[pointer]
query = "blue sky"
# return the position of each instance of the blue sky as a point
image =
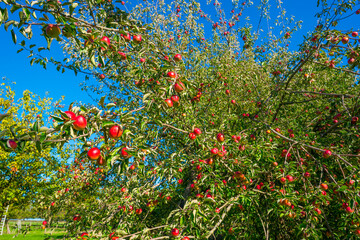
(16, 67)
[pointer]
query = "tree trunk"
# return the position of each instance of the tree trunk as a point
(7, 226)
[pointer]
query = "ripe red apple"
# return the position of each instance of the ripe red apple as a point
(327, 154)
(180, 181)
(192, 136)
(127, 37)
(102, 76)
(138, 211)
(177, 58)
(171, 74)
(354, 34)
(175, 232)
(77, 217)
(122, 55)
(106, 40)
(168, 102)
(227, 92)
(80, 123)
(214, 151)
(307, 174)
(70, 115)
(137, 38)
(345, 40)
(179, 87)
(124, 153)
(351, 60)
(197, 131)
(11, 144)
(175, 99)
(132, 167)
(53, 31)
(220, 137)
(115, 132)
(44, 223)
(289, 178)
(93, 153)
(185, 238)
(324, 186)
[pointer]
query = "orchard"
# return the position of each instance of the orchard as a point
(221, 133)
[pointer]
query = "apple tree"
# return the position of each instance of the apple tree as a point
(201, 134)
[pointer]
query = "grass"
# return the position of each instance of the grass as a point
(35, 235)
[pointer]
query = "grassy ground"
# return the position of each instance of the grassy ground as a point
(35, 235)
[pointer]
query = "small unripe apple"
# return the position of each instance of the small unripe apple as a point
(52, 31)
(101, 161)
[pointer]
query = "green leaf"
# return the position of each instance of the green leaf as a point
(13, 35)
(107, 123)
(110, 105)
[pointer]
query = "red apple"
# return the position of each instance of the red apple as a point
(185, 238)
(70, 115)
(93, 153)
(168, 102)
(11, 144)
(106, 40)
(115, 132)
(324, 186)
(127, 37)
(171, 74)
(177, 58)
(124, 153)
(354, 34)
(137, 38)
(52, 31)
(101, 161)
(80, 123)
(175, 98)
(214, 151)
(122, 55)
(345, 40)
(179, 87)
(327, 153)
(44, 223)
(192, 136)
(102, 76)
(175, 232)
(220, 137)
(197, 131)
